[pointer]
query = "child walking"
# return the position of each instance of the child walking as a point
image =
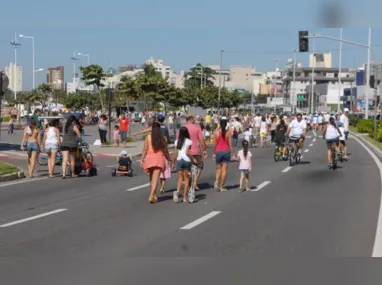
(245, 158)
(116, 134)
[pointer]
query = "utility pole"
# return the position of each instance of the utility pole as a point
(220, 80)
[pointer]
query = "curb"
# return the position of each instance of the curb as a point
(372, 147)
(12, 176)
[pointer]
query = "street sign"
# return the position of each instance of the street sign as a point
(4, 81)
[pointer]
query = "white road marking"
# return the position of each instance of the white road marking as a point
(311, 144)
(33, 218)
(24, 180)
(287, 169)
(308, 137)
(138, 187)
(377, 249)
(3, 155)
(302, 157)
(314, 139)
(315, 134)
(200, 220)
(110, 166)
(307, 150)
(261, 186)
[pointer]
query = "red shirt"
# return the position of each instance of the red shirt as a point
(124, 125)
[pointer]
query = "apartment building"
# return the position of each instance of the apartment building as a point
(15, 76)
(55, 77)
(320, 60)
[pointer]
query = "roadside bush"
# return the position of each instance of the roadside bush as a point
(353, 120)
(6, 119)
(129, 139)
(365, 126)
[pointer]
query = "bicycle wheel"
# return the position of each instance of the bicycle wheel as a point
(334, 159)
(291, 157)
(42, 159)
(191, 193)
(276, 155)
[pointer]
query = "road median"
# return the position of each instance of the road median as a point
(374, 145)
(9, 172)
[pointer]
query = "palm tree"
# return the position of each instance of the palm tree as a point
(200, 75)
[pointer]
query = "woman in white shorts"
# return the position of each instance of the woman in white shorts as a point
(51, 144)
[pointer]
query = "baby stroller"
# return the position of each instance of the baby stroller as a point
(84, 162)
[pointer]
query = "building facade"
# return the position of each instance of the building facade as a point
(15, 76)
(320, 60)
(55, 77)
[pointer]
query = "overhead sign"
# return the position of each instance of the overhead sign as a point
(4, 81)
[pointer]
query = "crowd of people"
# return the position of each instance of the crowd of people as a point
(225, 133)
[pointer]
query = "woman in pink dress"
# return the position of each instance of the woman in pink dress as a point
(154, 158)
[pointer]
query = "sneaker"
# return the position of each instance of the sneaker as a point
(175, 196)
(216, 185)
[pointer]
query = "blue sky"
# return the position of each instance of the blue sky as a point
(179, 32)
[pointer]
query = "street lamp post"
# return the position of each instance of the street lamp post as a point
(33, 56)
(220, 79)
(15, 44)
(368, 77)
(85, 55)
(294, 98)
(339, 74)
(313, 76)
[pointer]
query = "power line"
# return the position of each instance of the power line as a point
(291, 51)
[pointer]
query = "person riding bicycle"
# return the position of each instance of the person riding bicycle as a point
(280, 138)
(297, 131)
(332, 135)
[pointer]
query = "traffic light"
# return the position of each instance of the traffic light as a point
(303, 42)
(372, 81)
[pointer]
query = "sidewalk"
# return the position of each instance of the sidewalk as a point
(133, 148)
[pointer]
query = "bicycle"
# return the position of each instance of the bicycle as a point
(42, 158)
(294, 147)
(279, 153)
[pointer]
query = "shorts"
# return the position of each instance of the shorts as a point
(346, 135)
(244, 171)
(199, 159)
(123, 135)
(33, 147)
(182, 165)
(263, 134)
(330, 141)
(51, 147)
(223, 157)
(343, 142)
(67, 148)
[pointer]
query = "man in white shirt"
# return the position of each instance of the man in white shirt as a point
(344, 119)
(320, 121)
(297, 130)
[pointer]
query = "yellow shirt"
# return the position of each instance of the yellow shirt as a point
(207, 119)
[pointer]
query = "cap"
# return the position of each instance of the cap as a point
(224, 118)
(346, 110)
(123, 152)
(160, 117)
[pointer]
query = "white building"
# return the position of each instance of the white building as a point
(320, 60)
(14, 73)
(76, 85)
(165, 70)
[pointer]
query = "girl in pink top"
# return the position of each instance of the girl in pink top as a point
(245, 158)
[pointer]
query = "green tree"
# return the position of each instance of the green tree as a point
(200, 75)
(126, 91)
(93, 75)
(78, 101)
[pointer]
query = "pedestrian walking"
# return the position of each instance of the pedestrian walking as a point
(245, 166)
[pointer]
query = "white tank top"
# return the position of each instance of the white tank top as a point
(51, 136)
(331, 133)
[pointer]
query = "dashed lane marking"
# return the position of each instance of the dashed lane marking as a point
(200, 220)
(261, 186)
(138, 187)
(287, 169)
(307, 150)
(311, 144)
(314, 139)
(33, 218)
(24, 180)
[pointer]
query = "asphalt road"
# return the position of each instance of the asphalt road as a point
(301, 225)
